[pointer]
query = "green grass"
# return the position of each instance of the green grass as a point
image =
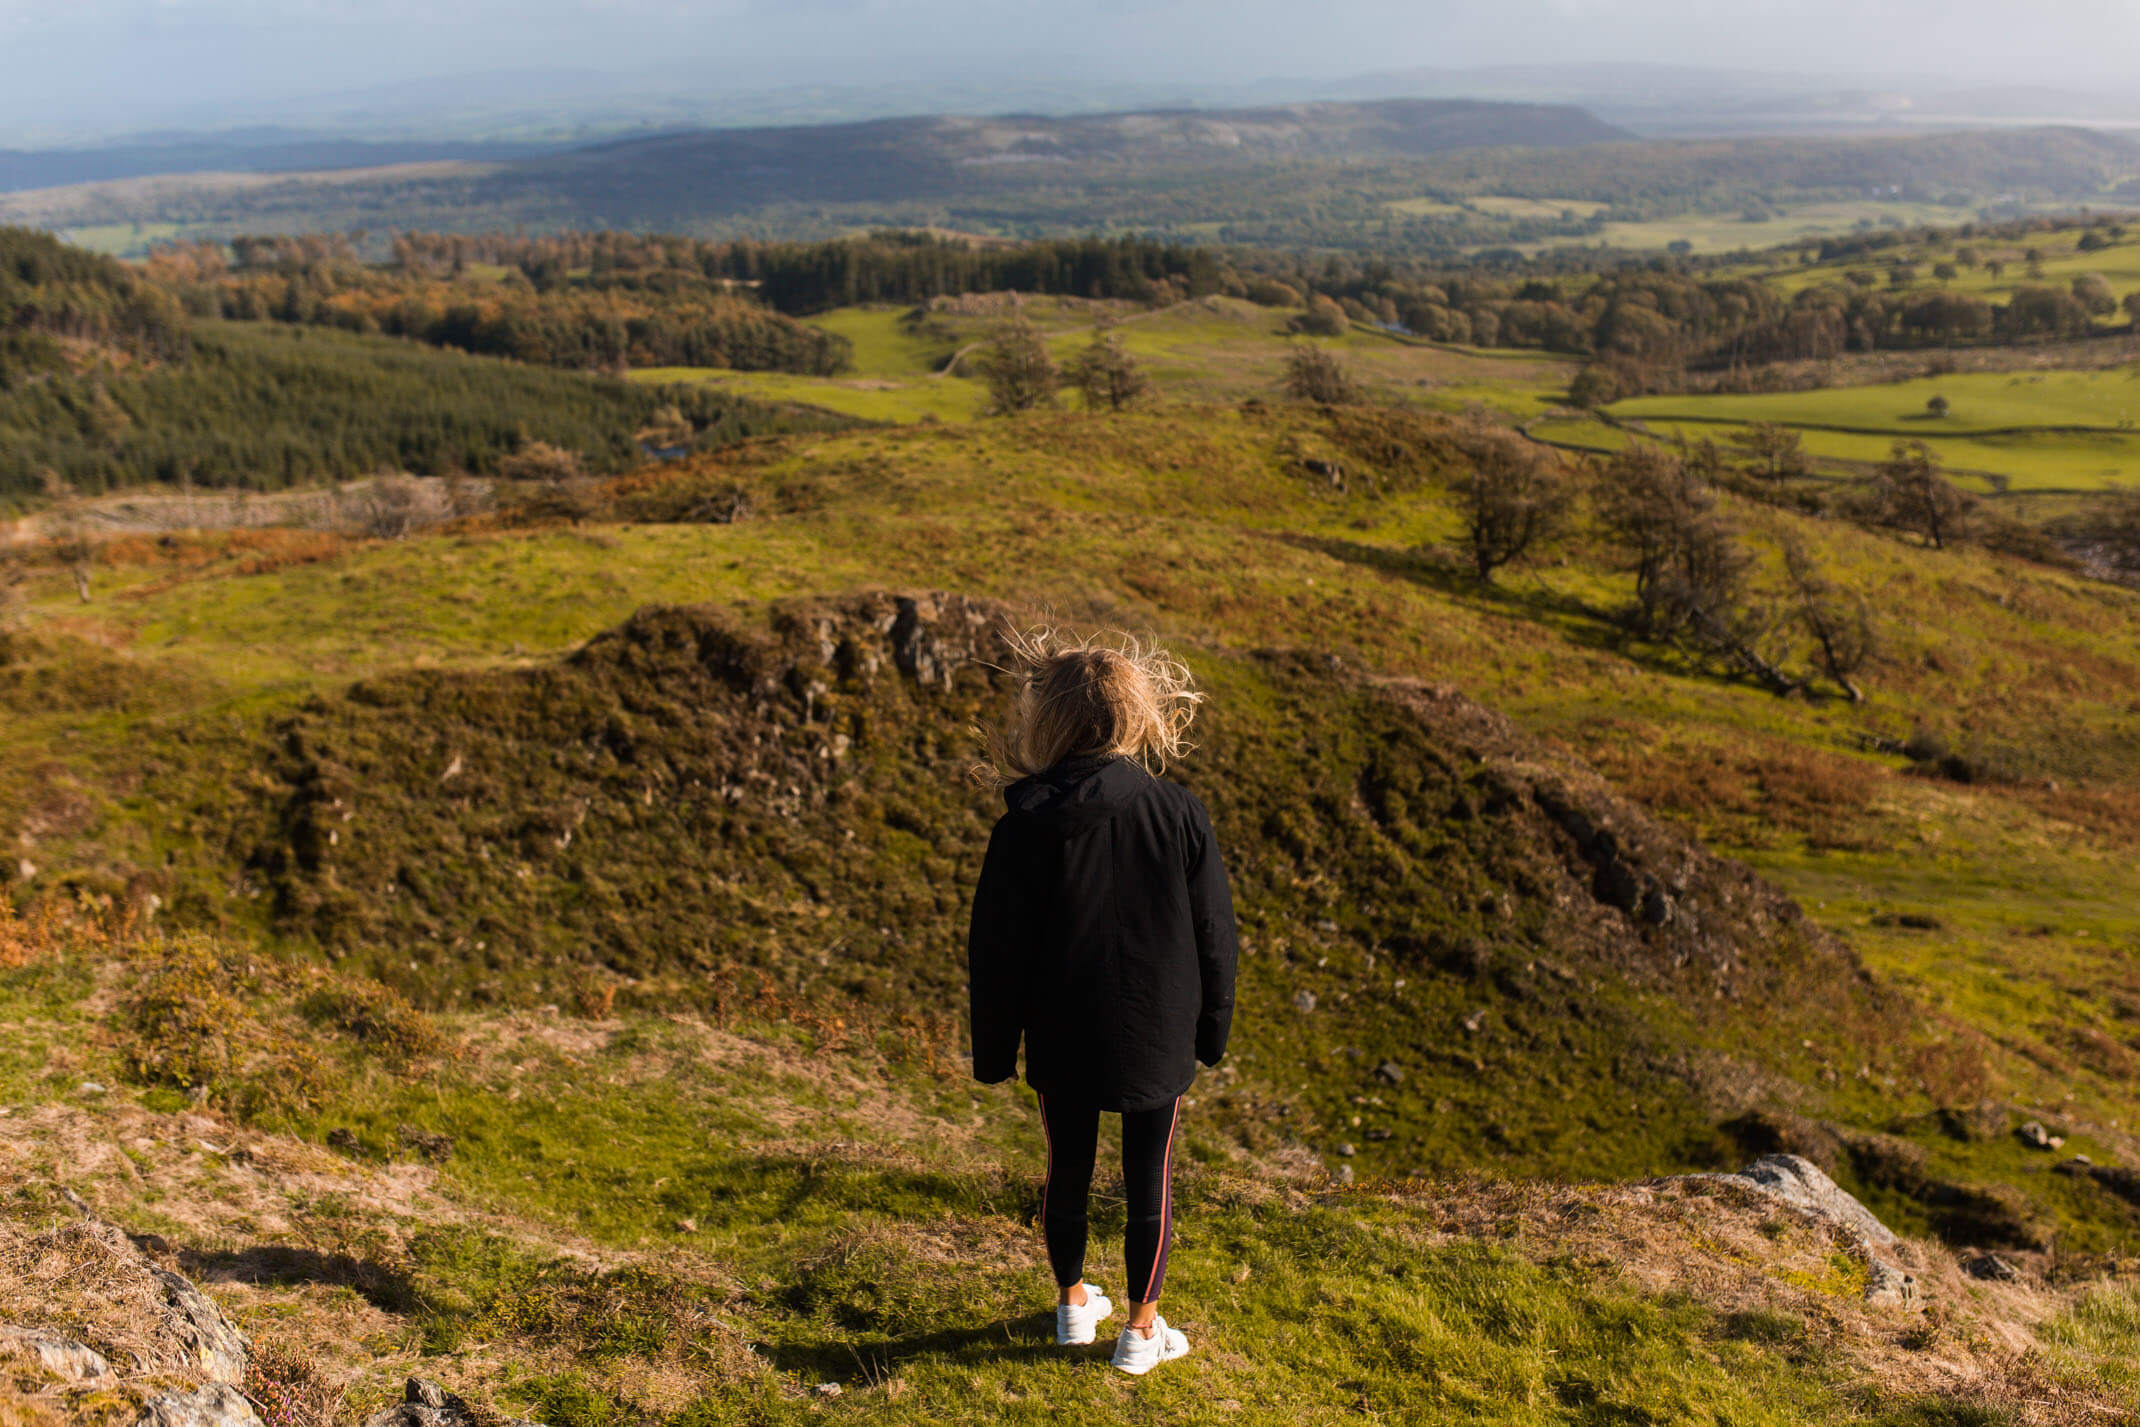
(654, 1219)
(830, 1214)
(1729, 232)
(1212, 350)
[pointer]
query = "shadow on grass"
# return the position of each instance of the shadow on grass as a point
(1028, 1337)
(282, 1265)
(1578, 622)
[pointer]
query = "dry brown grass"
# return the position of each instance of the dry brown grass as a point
(1744, 1255)
(1752, 791)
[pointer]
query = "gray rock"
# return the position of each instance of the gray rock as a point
(1303, 1000)
(2036, 1137)
(1991, 1268)
(1389, 1072)
(62, 1357)
(1799, 1181)
(218, 1350)
(425, 1404)
(216, 1405)
(1887, 1285)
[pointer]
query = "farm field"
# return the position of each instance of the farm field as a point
(1977, 402)
(1729, 232)
(2026, 464)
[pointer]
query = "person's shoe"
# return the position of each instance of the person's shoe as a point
(1075, 1322)
(1135, 1353)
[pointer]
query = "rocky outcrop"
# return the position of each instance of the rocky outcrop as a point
(1796, 1181)
(85, 1313)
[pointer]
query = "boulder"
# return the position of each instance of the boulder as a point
(62, 1357)
(1799, 1181)
(218, 1404)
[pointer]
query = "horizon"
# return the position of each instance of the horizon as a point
(124, 68)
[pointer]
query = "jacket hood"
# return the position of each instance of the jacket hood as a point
(1076, 794)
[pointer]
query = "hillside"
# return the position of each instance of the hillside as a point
(599, 1218)
(628, 855)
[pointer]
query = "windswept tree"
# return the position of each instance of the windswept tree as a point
(1838, 621)
(1514, 499)
(1690, 572)
(1313, 374)
(1912, 493)
(1773, 452)
(1019, 372)
(1106, 376)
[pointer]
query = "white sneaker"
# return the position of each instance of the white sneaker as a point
(1075, 1322)
(1135, 1353)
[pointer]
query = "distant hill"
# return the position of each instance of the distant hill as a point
(685, 179)
(241, 151)
(1395, 176)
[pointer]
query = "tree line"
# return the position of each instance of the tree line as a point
(61, 307)
(534, 312)
(262, 408)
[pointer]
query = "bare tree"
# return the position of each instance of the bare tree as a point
(12, 579)
(1514, 499)
(386, 507)
(1313, 374)
(74, 550)
(1909, 491)
(1019, 372)
(1776, 452)
(1838, 621)
(1106, 375)
(561, 488)
(1690, 569)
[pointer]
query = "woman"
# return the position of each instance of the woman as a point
(1103, 934)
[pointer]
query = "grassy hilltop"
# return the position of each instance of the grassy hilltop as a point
(628, 857)
(508, 927)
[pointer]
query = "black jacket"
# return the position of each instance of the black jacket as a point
(1103, 933)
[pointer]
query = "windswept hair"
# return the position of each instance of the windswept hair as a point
(1108, 693)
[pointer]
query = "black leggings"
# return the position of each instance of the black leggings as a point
(1073, 1133)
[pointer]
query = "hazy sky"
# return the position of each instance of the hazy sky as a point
(106, 64)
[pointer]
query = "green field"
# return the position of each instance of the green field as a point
(2019, 431)
(1977, 402)
(124, 240)
(1215, 349)
(1730, 232)
(2061, 262)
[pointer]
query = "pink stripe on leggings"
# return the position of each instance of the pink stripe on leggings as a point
(1153, 1279)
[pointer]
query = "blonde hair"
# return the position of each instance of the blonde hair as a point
(1108, 693)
